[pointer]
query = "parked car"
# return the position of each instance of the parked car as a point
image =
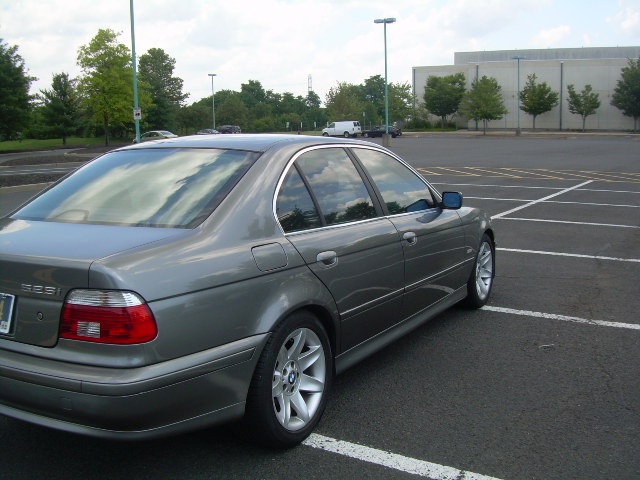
(342, 129)
(155, 135)
(380, 130)
(229, 129)
(178, 284)
(207, 131)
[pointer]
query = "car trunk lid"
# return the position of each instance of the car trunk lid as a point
(42, 261)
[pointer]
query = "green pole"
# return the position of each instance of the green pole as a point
(135, 74)
(386, 85)
(384, 21)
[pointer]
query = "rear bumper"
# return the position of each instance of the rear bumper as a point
(199, 390)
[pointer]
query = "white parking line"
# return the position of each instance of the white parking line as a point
(577, 255)
(500, 215)
(553, 201)
(564, 318)
(525, 186)
(566, 221)
(413, 466)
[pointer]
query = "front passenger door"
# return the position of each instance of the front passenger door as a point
(432, 238)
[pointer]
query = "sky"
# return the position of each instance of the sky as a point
(281, 43)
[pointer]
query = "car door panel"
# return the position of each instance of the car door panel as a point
(432, 238)
(434, 259)
(365, 275)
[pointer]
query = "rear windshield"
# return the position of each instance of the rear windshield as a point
(168, 187)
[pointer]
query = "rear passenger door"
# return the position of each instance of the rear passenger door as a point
(432, 238)
(329, 214)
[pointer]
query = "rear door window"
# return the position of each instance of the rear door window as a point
(337, 186)
(323, 187)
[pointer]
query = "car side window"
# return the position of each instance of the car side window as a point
(336, 185)
(401, 189)
(294, 206)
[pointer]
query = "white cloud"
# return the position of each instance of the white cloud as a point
(627, 19)
(551, 38)
(281, 42)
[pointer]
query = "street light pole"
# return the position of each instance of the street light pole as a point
(213, 101)
(136, 109)
(384, 21)
(518, 131)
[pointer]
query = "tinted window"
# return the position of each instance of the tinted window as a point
(294, 206)
(148, 187)
(336, 185)
(402, 190)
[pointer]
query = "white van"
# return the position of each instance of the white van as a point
(342, 129)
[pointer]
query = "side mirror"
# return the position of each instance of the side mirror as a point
(451, 200)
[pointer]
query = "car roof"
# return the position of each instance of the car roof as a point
(256, 143)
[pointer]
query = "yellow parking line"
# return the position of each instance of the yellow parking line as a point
(462, 172)
(618, 175)
(566, 172)
(543, 173)
(529, 172)
(491, 171)
(428, 172)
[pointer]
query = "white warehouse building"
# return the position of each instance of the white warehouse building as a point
(599, 67)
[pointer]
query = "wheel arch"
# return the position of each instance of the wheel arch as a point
(301, 292)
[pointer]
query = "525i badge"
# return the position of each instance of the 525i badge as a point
(25, 287)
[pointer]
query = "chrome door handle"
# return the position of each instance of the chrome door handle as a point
(327, 258)
(410, 237)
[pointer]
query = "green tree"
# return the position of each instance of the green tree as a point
(106, 85)
(626, 96)
(314, 116)
(400, 101)
(372, 92)
(343, 102)
(584, 103)
(252, 93)
(60, 107)
(292, 104)
(537, 98)
(484, 101)
(312, 100)
(156, 71)
(233, 111)
(194, 117)
(14, 92)
(442, 95)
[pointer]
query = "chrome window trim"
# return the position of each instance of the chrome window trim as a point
(345, 146)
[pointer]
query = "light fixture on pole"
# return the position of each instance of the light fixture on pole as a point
(516, 57)
(384, 21)
(213, 100)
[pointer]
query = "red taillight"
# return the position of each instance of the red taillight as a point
(107, 316)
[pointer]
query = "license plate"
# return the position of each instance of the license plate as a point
(6, 311)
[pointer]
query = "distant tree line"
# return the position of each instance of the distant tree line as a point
(446, 96)
(99, 102)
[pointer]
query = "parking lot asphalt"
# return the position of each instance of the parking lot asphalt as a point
(543, 383)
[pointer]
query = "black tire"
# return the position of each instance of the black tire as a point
(481, 278)
(365, 135)
(325, 134)
(275, 421)
(347, 134)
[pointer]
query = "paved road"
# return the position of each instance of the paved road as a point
(541, 384)
(5, 157)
